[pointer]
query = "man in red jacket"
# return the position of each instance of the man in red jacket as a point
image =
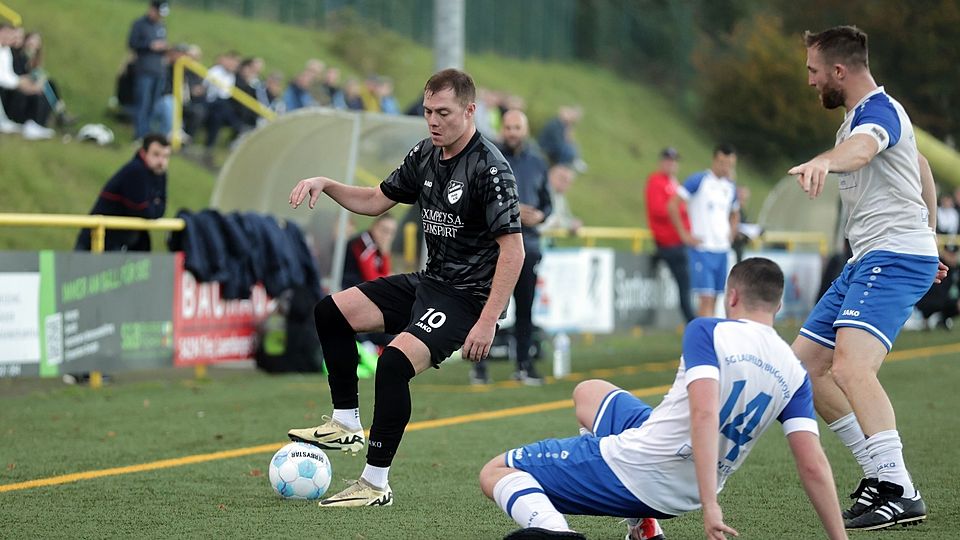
(670, 225)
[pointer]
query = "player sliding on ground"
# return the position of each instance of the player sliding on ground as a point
(889, 196)
(736, 377)
(471, 220)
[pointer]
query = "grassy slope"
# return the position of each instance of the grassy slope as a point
(141, 418)
(624, 126)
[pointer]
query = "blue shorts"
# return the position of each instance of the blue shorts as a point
(876, 293)
(573, 473)
(708, 271)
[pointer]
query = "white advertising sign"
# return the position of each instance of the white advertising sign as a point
(19, 317)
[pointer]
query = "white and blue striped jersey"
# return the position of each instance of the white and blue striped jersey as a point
(760, 380)
(710, 200)
(882, 199)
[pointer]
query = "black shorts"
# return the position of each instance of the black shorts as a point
(438, 314)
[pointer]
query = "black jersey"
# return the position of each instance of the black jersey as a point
(466, 202)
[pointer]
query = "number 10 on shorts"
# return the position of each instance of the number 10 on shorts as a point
(431, 319)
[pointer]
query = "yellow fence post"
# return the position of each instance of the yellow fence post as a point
(176, 138)
(98, 238)
(410, 244)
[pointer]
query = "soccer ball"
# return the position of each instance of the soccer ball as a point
(300, 471)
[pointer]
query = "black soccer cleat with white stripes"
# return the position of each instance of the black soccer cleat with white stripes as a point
(536, 533)
(891, 508)
(863, 498)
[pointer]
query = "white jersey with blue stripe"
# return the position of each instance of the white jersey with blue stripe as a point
(882, 199)
(760, 381)
(710, 200)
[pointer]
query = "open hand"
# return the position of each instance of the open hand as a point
(308, 186)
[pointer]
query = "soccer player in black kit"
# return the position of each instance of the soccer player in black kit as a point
(471, 220)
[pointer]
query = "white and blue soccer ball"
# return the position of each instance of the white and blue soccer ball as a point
(300, 471)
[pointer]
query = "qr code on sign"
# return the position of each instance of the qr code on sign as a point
(53, 326)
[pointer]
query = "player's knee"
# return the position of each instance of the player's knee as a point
(584, 390)
(328, 317)
(846, 373)
(490, 474)
(395, 365)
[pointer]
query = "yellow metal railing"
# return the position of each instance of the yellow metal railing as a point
(10, 15)
(98, 224)
(243, 98)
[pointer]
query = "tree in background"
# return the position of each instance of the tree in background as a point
(753, 92)
(913, 51)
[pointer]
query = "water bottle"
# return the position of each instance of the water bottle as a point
(561, 355)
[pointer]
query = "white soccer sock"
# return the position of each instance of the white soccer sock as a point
(348, 417)
(848, 429)
(886, 450)
(523, 499)
(376, 476)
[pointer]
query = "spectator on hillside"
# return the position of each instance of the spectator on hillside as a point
(386, 100)
(163, 112)
(138, 189)
(318, 68)
(21, 97)
(560, 176)
(298, 94)
(368, 94)
(124, 101)
(670, 225)
(331, 87)
(274, 87)
(194, 95)
(557, 139)
(220, 81)
(33, 56)
(148, 41)
(351, 95)
(248, 82)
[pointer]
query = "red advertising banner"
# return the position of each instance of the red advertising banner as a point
(208, 329)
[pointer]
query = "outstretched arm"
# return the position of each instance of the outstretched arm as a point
(850, 155)
(817, 479)
(368, 201)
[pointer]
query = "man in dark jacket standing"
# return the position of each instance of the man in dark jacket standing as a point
(530, 171)
(139, 189)
(148, 41)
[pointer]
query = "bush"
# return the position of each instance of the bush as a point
(754, 94)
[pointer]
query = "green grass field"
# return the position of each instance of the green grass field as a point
(49, 429)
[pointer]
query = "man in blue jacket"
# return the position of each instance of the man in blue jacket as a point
(148, 41)
(530, 171)
(138, 189)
